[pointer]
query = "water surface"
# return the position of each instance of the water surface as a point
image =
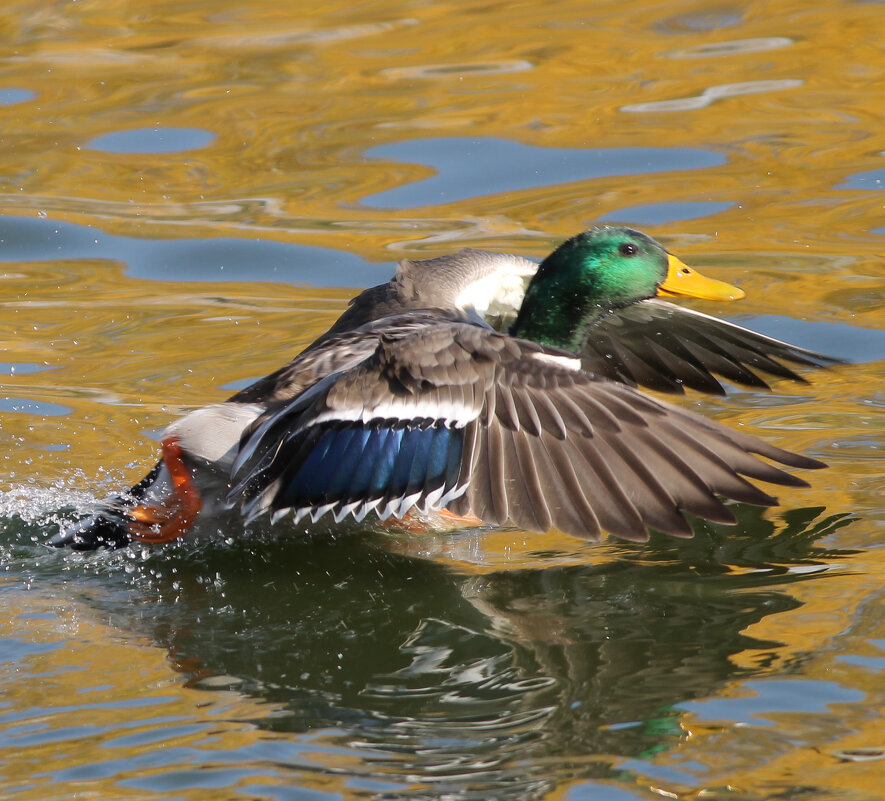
(190, 193)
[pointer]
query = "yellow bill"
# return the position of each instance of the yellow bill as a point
(682, 280)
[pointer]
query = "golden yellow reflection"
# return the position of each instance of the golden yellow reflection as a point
(787, 96)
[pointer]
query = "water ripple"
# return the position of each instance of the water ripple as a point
(445, 70)
(711, 95)
(733, 47)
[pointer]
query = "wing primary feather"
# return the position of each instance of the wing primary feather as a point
(616, 406)
(718, 359)
(725, 455)
(498, 487)
(716, 473)
(463, 464)
(697, 475)
(685, 369)
(480, 489)
(652, 495)
(736, 348)
(521, 457)
(570, 509)
(615, 510)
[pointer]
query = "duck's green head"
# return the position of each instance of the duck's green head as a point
(604, 268)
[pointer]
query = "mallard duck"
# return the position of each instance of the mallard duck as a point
(413, 405)
(626, 331)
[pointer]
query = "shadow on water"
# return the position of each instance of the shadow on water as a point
(518, 681)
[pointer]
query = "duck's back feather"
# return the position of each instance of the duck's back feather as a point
(475, 283)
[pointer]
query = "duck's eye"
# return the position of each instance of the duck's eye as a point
(628, 249)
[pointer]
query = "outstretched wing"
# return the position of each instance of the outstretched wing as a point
(666, 347)
(457, 416)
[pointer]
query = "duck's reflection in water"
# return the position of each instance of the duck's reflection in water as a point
(506, 683)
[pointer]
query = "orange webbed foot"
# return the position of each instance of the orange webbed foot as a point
(175, 517)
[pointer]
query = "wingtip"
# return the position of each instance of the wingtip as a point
(802, 462)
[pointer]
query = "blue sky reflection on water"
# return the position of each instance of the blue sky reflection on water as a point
(870, 180)
(152, 140)
(217, 259)
(773, 698)
(661, 213)
(501, 165)
(31, 406)
(9, 97)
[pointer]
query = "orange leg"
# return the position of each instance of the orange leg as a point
(175, 517)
